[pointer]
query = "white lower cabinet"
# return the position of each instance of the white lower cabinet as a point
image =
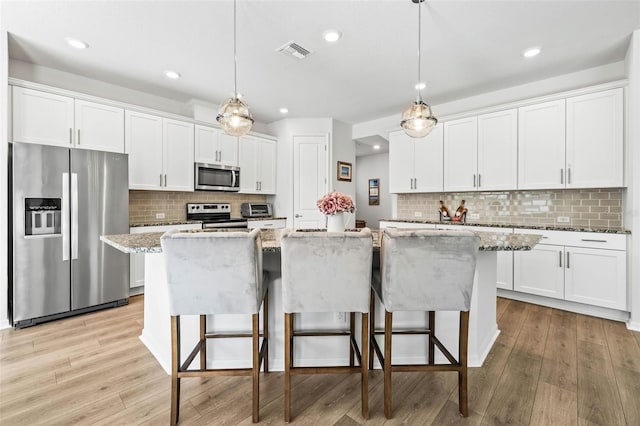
(267, 223)
(540, 271)
(136, 260)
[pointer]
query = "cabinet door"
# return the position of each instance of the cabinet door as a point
(178, 159)
(460, 154)
(540, 271)
(541, 144)
(504, 277)
(427, 160)
(267, 167)
(596, 277)
(498, 151)
(43, 118)
(594, 140)
(206, 144)
(228, 149)
(247, 158)
(143, 143)
(99, 127)
(400, 162)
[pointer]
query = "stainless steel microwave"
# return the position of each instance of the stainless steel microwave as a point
(216, 177)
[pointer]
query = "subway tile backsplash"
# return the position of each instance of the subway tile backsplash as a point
(143, 205)
(584, 207)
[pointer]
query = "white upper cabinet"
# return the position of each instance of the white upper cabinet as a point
(50, 119)
(99, 127)
(257, 159)
(461, 154)
(213, 146)
(498, 151)
(541, 144)
(415, 164)
(160, 152)
(594, 140)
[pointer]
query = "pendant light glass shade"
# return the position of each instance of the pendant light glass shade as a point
(418, 120)
(234, 117)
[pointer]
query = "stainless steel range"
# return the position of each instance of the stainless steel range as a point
(214, 215)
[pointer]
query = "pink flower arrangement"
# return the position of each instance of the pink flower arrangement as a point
(336, 202)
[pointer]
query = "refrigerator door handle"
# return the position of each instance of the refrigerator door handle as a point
(74, 215)
(64, 228)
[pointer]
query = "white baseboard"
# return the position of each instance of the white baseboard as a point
(4, 324)
(633, 325)
(153, 348)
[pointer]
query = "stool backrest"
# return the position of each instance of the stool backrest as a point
(424, 270)
(213, 272)
(326, 271)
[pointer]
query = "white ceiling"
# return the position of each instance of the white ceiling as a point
(469, 47)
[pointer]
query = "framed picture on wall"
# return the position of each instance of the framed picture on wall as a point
(344, 171)
(374, 192)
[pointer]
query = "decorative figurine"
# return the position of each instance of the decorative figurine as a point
(444, 212)
(461, 213)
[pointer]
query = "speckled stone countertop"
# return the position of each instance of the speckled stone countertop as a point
(539, 227)
(190, 222)
(149, 242)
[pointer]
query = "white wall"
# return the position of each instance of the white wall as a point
(343, 148)
(632, 202)
(373, 167)
(4, 138)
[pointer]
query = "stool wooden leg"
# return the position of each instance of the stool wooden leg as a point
(175, 365)
(265, 330)
(352, 335)
(388, 321)
(372, 326)
(203, 347)
(432, 331)
(365, 366)
(256, 367)
(462, 356)
(288, 320)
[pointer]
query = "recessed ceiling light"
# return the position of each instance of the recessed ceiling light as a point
(332, 36)
(531, 52)
(376, 147)
(78, 44)
(172, 74)
(420, 86)
(283, 110)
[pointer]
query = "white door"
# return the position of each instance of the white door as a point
(205, 144)
(460, 154)
(498, 151)
(309, 180)
(540, 271)
(267, 166)
(227, 149)
(143, 140)
(40, 117)
(400, 162)
(427, 162)
(248, 161)
(99, 127)
(541, 144)
(594, 140)
(178, 163)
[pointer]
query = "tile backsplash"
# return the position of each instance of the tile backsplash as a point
(584, 207)
(143, 205)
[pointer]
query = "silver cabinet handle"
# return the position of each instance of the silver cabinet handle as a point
(411, 183)
(70, 136)
(298, 215)
(256, 185)
(474, 180)
(260, 185)
(65, 217)
(562, 176)
(479, 180)
(165, 180)
(569, 175)
(78, 141)
(593, 241)
(568, 260)
(160, 179)
(560, 258)
(415, 183)
(74, 215)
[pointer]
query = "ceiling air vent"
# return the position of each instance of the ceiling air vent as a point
(292, 48)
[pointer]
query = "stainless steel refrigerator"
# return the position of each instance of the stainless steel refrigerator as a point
(61, 201)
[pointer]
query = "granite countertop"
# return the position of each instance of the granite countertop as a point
(509, 225)
(190, 222)
(149, 242)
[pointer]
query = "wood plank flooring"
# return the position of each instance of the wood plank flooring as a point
(548, 367)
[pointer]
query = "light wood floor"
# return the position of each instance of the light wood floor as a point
(548, 367)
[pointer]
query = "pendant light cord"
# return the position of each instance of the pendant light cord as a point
(419, 48)
(235, 60)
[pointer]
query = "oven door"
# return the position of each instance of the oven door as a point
(221, 225)
(212, 177)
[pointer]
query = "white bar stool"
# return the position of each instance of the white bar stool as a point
(211, 273)
(425, 270)
(326, 272)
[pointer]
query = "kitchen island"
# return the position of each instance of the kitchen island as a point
(229, 353)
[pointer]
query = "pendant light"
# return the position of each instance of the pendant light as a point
(418, 120)
(234, 115)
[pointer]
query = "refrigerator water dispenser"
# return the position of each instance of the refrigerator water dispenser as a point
(42, 216)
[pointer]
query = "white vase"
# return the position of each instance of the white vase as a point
(335, 222)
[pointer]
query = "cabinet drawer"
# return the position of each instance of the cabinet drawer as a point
(267, 224)
(596, 240)
(548, 237)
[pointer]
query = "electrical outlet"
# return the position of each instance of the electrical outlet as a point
(159, 215)
(563, 219)
(417, 214)
(474, 216)
(341, 316)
